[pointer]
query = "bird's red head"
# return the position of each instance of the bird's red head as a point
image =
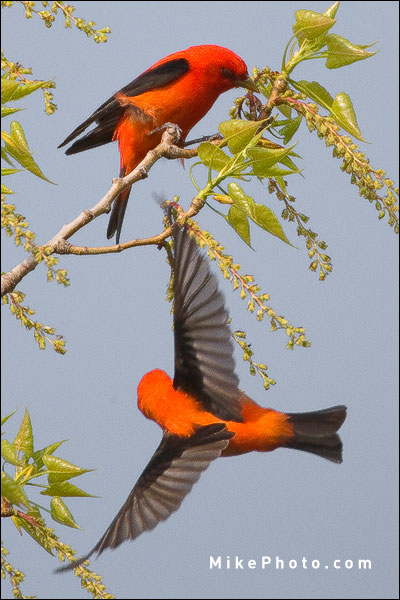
(224, 69)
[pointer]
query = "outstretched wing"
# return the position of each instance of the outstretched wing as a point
(204, 364)
(169, 476)
(109, 113)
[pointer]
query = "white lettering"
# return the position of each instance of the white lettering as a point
(265, 560)
(215, 562)
(364, 563)
(238, 563)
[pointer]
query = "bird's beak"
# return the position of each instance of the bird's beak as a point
(248, 83)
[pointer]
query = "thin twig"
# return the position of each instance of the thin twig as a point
(57, 244)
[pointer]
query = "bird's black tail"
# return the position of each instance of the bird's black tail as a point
(316, 432)
(118, 212)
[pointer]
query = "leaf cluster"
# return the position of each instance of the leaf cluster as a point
(53, 8)
(15, 149)
(253, 155)
(247, 160)
(311, 40)
(254, 367)
(42, 333)
(30, 464)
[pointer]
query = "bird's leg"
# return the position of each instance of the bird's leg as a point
(174, 126)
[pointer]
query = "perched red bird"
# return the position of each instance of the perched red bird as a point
(180, 88)
(202, 411)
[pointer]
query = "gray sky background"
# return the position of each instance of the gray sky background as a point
(118, 325)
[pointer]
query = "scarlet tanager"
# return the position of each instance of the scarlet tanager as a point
(180, 88)
(202, 411)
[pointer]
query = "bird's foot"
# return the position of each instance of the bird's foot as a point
(177, 130)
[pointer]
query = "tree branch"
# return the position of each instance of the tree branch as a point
(62, 247)
(280, 85)
(166, 149)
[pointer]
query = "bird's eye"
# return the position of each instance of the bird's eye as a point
(228, 73)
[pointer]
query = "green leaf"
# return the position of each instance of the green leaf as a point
(5, 156)
(311, 25)
(281, 182)
(61, 470)
(340, 108)
(276, 171)
(287, 162)
(332, 10)
(343, 111)
(9, 171)
(259, 213)
(23, 441)
(38, 455)
(315, 91)
(4, 419)
(17, 147)
(10, 455)
(13, 491)
(8, 89)
(38, 533)
(14, 90)
(65, 489)
(267, 220)
(262, 159)
(239, 133)
(7, 110)
(342, 52)
(285, 110)
(210, 154)
(61, 513)
(240, 223)
(290, 129)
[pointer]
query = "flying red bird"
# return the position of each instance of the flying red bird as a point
(202, 411)
(180, 88)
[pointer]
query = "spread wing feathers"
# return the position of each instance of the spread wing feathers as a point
(169, 476)
(204, 364)
(109, 113)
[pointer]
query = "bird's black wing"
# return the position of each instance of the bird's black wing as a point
(109, 113)
(204, 364)
(169, 476)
